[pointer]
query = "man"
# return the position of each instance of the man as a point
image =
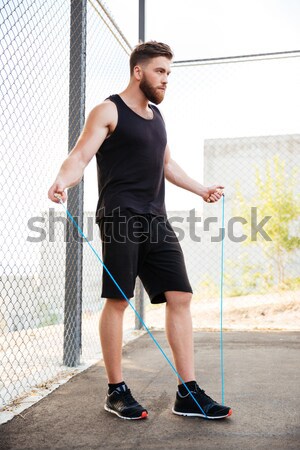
(127, 134)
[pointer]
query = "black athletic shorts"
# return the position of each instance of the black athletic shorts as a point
(141, 245)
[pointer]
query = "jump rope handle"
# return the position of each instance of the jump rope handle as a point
(220, 191)
(58, 196)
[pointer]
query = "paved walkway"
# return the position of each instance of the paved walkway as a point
(261, 385)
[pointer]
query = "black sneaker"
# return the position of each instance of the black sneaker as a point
(122, 403)
(185, 405)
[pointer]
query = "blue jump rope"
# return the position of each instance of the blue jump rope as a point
(140, 318)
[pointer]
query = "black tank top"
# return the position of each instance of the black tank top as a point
(130, 164)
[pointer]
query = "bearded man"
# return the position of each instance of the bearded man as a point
(128, 136)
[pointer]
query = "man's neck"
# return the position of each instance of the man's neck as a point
(135, 98)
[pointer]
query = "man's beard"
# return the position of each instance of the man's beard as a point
(152, 94)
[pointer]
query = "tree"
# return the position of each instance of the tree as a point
(276, 196)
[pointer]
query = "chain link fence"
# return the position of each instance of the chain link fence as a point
(229, 121)
(39, 104)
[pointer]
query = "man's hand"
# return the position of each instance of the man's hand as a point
(213, 194)
(57, 188)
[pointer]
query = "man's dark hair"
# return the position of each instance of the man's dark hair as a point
(149, 50)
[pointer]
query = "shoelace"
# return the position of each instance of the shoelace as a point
(128, 398)
(200, 391)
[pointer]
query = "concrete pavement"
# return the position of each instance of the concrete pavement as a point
(261, 385)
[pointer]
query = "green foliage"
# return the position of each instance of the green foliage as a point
(244, 277)
(206, 289)
(275, 196)
(48, 317)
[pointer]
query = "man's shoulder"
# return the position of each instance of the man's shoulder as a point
(106, 105)
(106, 109)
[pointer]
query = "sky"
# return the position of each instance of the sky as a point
(213, 28)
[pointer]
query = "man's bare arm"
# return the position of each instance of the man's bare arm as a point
(98, 126)
(176, 175)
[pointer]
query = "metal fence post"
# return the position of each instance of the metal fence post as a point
(139, 292)
(141, 20)
(74, 249)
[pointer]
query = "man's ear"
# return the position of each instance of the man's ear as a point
(137, 72)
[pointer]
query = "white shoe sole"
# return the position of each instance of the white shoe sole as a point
(200, 415)
(122, 417)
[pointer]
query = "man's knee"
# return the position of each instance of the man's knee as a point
(117, 304)
(178, 299)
